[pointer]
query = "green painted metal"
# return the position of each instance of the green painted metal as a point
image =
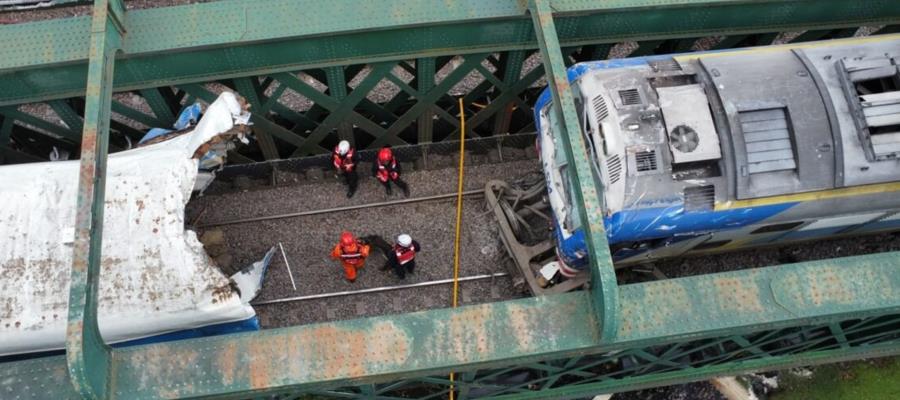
(425, 78)
(239, 38)
(337, 85)
(286, 132)
(87, 356)
(604, 289)
(672, 331)
(511, 70)
(249, 91)
(159, 106)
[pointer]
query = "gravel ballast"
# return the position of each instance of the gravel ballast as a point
(308, 241)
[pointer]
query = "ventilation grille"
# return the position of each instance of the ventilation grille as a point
(645, 160)
(768, 140)
(630, 97)
(614, 168)
(665, 65)
(699, 198)
(600, 109)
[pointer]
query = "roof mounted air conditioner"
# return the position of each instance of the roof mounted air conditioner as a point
(689, 126)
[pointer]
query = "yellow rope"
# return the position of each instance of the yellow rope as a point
(459, 195)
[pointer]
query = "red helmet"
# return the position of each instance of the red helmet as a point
(347, 240)
(385, 155)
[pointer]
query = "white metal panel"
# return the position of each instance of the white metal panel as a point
(687, 106)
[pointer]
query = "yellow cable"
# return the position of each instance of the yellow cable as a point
(459, 194)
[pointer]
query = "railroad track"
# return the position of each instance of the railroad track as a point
(378, 289)
(440, 197)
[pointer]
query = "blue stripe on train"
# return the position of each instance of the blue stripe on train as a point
(247, 325)
(634, 225)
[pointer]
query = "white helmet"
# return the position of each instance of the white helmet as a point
(343, 147)
(404, 240)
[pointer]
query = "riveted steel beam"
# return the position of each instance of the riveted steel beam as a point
(250, 92)
(671, 331)
(604, 289)
(425, 69)
(46, 59)
(87, 356)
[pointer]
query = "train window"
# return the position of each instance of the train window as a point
(571, 221)
(769, 140)
(777, 227)
(711, 245)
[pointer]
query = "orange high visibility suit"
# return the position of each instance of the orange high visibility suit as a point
(352, 254)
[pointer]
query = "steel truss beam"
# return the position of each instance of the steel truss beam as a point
(588, 195)
(500, 102)
(202, 42)
(670, 331)
(87, 356)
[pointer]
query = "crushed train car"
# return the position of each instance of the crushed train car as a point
(157, 282)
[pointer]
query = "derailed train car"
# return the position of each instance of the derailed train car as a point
(157, 282)
(722, 150)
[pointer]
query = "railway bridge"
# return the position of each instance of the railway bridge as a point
(115, 67)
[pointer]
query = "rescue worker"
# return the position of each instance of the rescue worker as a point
(387, 170)
(402, 257)
(344, 159)
(352, 254)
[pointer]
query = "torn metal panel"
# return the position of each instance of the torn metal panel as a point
(155, 276)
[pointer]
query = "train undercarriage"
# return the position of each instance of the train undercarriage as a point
(523, 218)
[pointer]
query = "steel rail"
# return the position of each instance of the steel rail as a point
(477, 192)
(379, 289)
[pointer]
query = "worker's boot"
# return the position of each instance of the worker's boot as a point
(403, 186)
(387, 189)
(350, 192)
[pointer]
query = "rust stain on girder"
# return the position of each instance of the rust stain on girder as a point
(321, 352)
(227, 362)
(736, 294)
(639, 320)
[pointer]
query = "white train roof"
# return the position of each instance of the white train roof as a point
(156, 277)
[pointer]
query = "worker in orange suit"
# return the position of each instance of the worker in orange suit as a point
(352, 253)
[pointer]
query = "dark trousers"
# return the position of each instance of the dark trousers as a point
(351, 179)
(400, 184)
(402, 270)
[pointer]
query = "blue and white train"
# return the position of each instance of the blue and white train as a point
(720, 150)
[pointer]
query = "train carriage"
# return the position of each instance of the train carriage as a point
(721, 150)
(157, 281)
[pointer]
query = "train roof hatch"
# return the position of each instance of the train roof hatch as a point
(874, 84)
(689, 127)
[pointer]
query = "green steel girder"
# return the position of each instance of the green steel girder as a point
(285, 131)
(202, 42)
(671, 331)
(585, 178)
(87, 356)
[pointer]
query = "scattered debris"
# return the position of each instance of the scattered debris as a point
(249, 280)
(288, 266)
